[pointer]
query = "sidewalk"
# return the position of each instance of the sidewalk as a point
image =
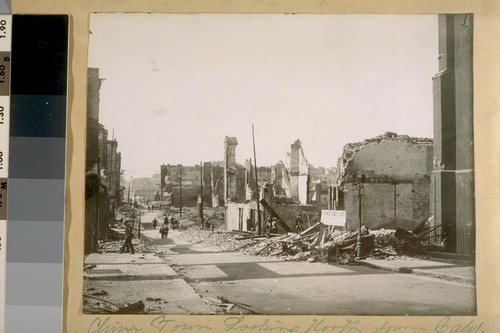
(462, 271)
(127, 278)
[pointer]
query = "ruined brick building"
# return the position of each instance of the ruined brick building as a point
(395, 172)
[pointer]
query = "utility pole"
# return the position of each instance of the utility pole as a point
(395, 206)
(128, 197)
(259, 222)
(180, 190)
(139, 230)
(358, 244)
(161, 178)
(201, 196)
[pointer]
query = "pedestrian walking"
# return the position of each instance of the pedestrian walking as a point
(164, 231)
(174, 223)
(127, 245)
(155, 223)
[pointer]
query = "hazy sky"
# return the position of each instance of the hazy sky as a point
(177, 84)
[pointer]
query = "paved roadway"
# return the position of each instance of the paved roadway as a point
(276, 287)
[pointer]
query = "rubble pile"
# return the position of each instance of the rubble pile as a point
(222, 241)
(211, 216)
(114, 246)
(287, 247)
(317, 244)
(386, 244)
(312, 245)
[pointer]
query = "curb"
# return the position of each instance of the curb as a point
(419, 272)
(447, 277)
(385, 268)
(451, 256)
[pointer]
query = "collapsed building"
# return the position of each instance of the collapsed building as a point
(391, 175)
(286, 191)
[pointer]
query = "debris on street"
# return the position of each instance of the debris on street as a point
(223, 305)
(140, 246)
(97, 305)
(158, 300)
(314, 244)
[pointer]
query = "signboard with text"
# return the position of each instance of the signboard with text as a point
(333, 217)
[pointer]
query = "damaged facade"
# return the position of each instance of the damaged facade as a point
(299, 173)
(394, 171)
(102, 171)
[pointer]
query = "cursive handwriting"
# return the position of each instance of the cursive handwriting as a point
(346, 327)
(386, 328)
(162, 324)
(444, 326)
(238, 324)
(104, 326)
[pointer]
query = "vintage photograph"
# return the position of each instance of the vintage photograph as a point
(280, 164)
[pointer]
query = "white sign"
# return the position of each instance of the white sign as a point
(333, 217)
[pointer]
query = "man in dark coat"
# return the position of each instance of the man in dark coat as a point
(164, 231)
(127, 245)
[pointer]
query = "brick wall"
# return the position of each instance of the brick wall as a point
(388, 205)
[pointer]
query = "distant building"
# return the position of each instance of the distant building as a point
(264, 175)
(281, 179)
(320, 182)
(215, 179)
(230, 168)
(181, 185)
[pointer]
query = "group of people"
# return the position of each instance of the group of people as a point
(129, 232)
(167, 224)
